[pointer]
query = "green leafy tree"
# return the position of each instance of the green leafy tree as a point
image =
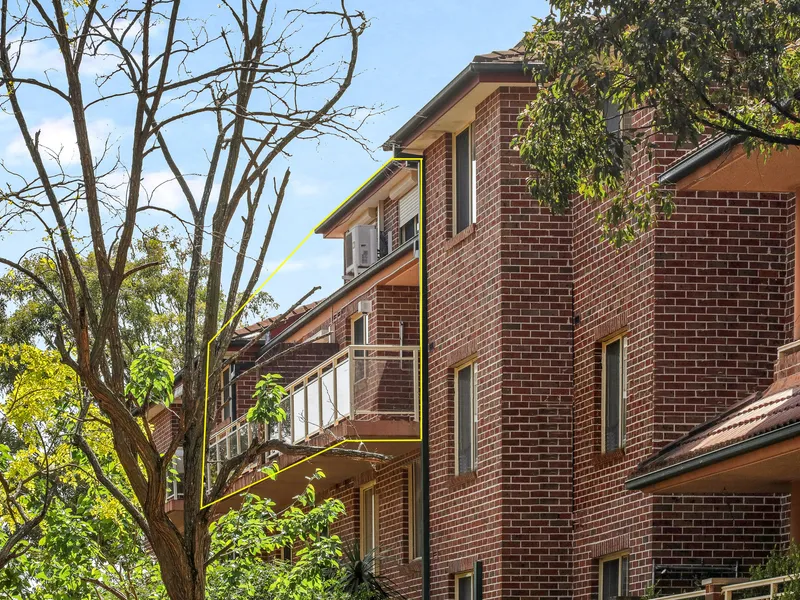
(620, 78)
(780, 564)
(236, 91)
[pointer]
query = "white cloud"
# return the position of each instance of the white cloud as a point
(57, 139)
(41, 56)
(305, 188)
(314, 263)
(160, 189)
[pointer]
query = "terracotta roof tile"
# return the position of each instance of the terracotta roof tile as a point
(261, 325)
(756, 415)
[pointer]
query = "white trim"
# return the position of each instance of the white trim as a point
(472, 177)
(375, 521)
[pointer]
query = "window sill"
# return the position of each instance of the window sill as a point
(462, 480)
(411, 569)
(605, 459)
(460, 237)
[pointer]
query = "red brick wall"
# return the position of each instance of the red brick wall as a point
(391, 486)
(500, 291)
(705, 300)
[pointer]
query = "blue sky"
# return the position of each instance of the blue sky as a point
(410, 51)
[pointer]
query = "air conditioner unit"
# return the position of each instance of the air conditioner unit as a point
(360, 249)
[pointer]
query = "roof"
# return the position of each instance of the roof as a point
(700, 157)
(270, 321)
(372, 185)
(322, 305)
(512, 61)
(759, 420)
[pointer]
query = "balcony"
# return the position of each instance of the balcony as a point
(762, 589)
(362, 393)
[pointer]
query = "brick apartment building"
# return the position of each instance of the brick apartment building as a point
(557, 372)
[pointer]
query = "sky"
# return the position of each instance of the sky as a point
(410, 51)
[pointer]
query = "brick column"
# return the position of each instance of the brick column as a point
(794, 512)
(714, 586)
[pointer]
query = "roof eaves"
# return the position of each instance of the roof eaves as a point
(389, 259)
(357, 197)
(700, 158)
(638, 482)
(449, 92)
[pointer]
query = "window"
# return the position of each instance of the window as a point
(286, 553)
(229, 393)
(175, 476)
(465, 180)
(613, 577)
(415, 511)
(410, 229)
(369, 525)
(614, 391)
(360, 337)
(464, 586)
(466, 418)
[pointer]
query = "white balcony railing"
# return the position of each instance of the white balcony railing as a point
(369, 382)
(762, 589)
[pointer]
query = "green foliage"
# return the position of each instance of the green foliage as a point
(151, 305)
(360, 581)
(151, 378)
(780, 564)
(268, 396)
(676, 70)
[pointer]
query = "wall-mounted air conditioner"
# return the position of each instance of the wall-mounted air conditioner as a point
(360, 249)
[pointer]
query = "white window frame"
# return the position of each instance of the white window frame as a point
(464, 575)
(227, 370)
(612, 557)
(473, 177)
(353, 320)
(412, 511)
(474, 412)
(623, 336)
(375, 520)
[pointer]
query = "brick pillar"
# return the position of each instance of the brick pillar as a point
(794, 512)
(714, 586)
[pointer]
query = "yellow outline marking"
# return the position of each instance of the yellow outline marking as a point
(253, 295)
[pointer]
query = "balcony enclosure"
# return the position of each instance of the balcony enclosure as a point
(349, 396)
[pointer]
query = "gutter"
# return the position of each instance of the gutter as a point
(715, 456)
(384, 262)
(358, 196)
(700, 158)
(447, 94)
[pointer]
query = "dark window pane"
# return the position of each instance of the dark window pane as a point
(465, 418)
(612, 116)
(359, 333)
(465, 587)
(610, 579)
(360, 339)
(623, 580)
(613, 394)
(463, 202)
(409, 230)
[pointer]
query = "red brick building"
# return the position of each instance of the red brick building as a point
(552, 367)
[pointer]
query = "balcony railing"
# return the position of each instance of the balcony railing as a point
(762, 589)
(360, 382)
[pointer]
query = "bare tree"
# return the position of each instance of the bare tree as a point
(259, 79)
